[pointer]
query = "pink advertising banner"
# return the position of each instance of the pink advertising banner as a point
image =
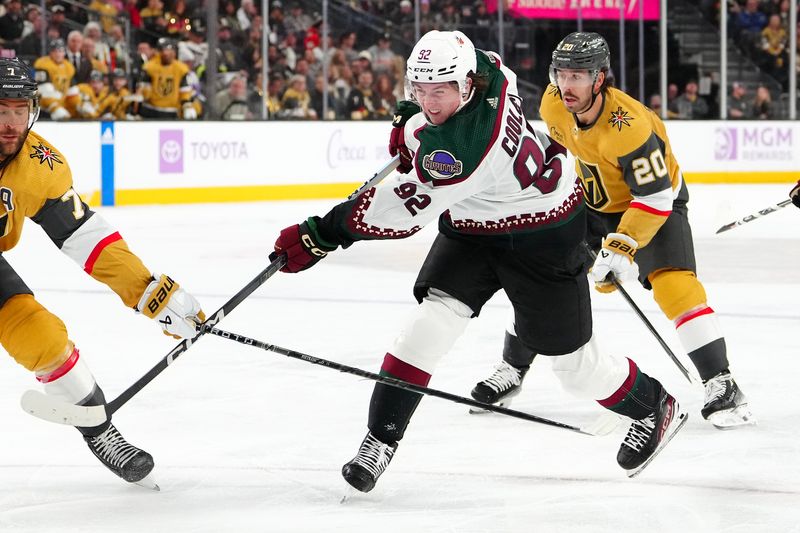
(568, 9)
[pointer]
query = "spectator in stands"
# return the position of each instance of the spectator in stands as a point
(382, 55)
(346, 44)
(484, 22)
(288, 47)
(361, 103)
(405, 20)
(177, 17)
(131, 8)
(88, 51)
(296, 100)
(164, 88)
(57, 21)
(31, 44)
(229, 57)
(153, 20)
(116, 103)
(83, 99)
(690, 105)
(762, 104)
(12, 24)
(32, 13)
(83, 65)
(274, 94)
(297, 21)
(245, 15)
(318, 94)
(229, 8)
(231, 102)
(193, 49)
(750, 22)
(106, 11)
(448, 19)
(102, 52)
(54, 74)
(277, 31)
(738, 107)
(119, 51)
(385, 100)
(774, 39)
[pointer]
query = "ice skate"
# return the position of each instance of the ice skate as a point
(647, 437)
(499, 388)
(725, 404)
(363, 471)
(124, 459)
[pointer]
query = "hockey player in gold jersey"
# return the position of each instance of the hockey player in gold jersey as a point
(637, 201)
(83, 99)
(54, 76)
(164, 88)
(36, 183)
(116, 102)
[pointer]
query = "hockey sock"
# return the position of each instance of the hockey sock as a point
(74, 383)
(515, 353)
(701, 337)
(636, 397)
(391, 408)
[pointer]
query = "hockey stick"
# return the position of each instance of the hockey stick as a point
(54, 410)
(644, 319)
(590, 429)
(754, 216)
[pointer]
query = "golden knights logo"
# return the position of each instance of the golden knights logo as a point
(45, 155)
(619, 117)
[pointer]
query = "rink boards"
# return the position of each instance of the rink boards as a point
(126, 163)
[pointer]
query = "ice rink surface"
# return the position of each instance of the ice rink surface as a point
(250, 441)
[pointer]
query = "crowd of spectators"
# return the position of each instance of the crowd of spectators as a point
(91, 67)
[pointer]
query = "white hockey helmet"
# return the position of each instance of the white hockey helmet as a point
(440, 57)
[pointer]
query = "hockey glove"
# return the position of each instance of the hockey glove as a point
(189, 112)
(794, 194)
(615, 261)
(177, 311)
(397, 143)
(302, 245)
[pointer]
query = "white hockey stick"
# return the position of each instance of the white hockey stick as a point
(55, 410)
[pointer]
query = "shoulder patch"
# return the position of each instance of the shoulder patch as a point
(553, 90)
(45, 154)
(619, 118)
(442, 164)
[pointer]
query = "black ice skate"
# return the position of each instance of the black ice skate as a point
(725, 404)
(118, 455)
(499, 388)
(647, 437)
(363, 471)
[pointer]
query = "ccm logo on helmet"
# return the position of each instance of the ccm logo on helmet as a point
(422, 69)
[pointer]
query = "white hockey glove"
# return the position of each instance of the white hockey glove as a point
(615, 258)
(60, 113)
(87, 110)
(189, 112)
(177, 312)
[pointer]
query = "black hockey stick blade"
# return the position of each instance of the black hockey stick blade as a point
(395, 382)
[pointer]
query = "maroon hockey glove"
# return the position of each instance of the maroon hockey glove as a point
(794, 194)
(397, 143)
(302, 245)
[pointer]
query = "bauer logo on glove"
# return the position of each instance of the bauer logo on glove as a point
(177, 312)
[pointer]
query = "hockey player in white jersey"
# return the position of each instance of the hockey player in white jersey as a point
(511, 216)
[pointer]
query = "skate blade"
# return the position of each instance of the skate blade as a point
(682, 418)
(148, 482)
(505, 402)
(737, 417)
(349, 492)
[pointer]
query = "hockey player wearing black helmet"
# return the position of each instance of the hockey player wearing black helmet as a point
(638, 220)
(37, 184)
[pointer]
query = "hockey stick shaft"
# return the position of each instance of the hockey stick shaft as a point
(54, 410)
(390, 381)
(645, 320)
(754, 216)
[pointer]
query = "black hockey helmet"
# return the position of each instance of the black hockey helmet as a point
(582, 50)
(16, 82)
(166, 42)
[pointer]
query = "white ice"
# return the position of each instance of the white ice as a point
(250, 441)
